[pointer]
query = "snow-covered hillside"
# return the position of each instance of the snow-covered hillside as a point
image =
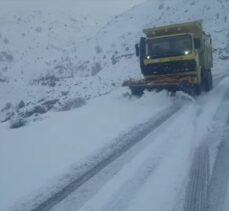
(64, 53)
(49, 52)
(74, 55)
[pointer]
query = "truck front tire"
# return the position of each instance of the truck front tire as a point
(207, 80)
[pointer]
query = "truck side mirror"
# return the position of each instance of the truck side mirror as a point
(197, 43)
(137, 50)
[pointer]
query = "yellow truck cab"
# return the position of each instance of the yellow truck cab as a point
(175, 57)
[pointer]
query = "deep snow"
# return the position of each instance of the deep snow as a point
(69, 50)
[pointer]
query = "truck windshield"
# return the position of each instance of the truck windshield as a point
(169, 46)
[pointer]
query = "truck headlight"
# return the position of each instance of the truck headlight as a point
(186, 52)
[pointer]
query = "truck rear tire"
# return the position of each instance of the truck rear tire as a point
(211, 81)
(207, 80)
(197, 90)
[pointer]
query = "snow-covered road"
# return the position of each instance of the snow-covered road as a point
(172, 168)
(123, 144)
(175, 160)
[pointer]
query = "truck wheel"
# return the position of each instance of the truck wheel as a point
(197, 90)
(211, 81)
(206, 80)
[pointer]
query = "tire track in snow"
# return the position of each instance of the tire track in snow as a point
(218, 78)
(196, 195)
(122, 197)
(127, 141)
(119, 182)
(205, 191)
(219, 180)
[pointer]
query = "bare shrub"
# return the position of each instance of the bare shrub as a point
(98, 49)
(7, 107)
(96, 68)
(47, 80)
(38, 29)
(17, 123)
(5, 56)
(161, 6)
(71, 104)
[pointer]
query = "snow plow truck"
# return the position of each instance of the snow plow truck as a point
(176, 57)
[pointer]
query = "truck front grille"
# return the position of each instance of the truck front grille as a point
(169, 67)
